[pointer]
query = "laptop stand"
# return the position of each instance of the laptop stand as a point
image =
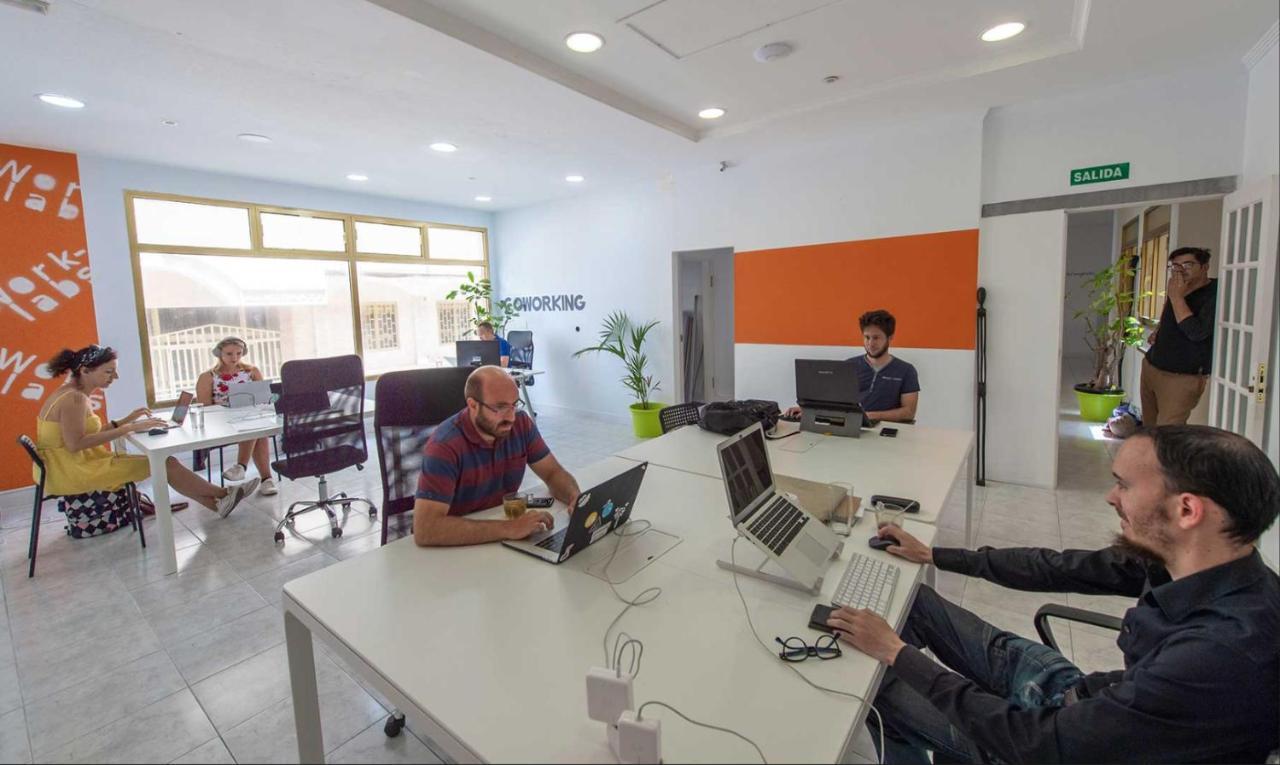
(784, 581)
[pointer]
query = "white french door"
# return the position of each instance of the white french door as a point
(1246, 301)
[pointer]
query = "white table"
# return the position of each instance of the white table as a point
(485, 649)
(222, 426)
(920, 463)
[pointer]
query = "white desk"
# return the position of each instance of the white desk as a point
(485, 649)
(222, 426)
(920, 463)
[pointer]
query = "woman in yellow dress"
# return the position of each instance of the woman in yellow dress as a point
(73, 445)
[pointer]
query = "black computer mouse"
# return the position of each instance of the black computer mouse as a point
(881, 543)
(157, 432)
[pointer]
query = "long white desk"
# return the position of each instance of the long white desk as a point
(920, 463)
(222, 426)
(486, 650)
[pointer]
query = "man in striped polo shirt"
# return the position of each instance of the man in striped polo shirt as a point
(474, 458)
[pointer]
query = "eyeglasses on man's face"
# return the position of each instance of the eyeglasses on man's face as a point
(502, 408)
(1183, 266)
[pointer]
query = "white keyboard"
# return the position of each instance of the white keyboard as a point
(867, 583)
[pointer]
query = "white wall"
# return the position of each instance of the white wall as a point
(1181, 127)
(104, 182)
(1090, 239)
(615, 246)
(1022, 264)
(1262, 159)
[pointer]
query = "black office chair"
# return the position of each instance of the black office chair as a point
(1071, 614)
(521, 341)
(322, 401)
(679, 415)
(408, 407)
(135, 517)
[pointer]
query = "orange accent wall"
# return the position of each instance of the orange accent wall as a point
(813, 295)
(46, 299)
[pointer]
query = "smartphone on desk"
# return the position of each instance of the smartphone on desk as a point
(541, 502)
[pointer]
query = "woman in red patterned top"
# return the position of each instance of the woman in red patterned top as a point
(212, 389)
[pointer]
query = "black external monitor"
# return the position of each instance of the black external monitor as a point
(827, 385)
(478, 353)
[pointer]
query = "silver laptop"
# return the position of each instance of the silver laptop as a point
(248, 393)
(799, 543)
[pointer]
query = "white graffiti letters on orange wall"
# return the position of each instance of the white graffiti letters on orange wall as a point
(43, 188)
(20, 291)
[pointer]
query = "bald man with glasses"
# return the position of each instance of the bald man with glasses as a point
(1175, 372)
(476, 457)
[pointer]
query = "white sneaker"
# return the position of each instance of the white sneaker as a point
(268, 487)
(234, 473)
(234, 495)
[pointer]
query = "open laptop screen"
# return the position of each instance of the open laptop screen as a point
(184, 403)
(745, 466)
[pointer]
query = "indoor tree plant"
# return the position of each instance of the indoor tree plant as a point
(1110, 329)
(479, 295)
(625, 339)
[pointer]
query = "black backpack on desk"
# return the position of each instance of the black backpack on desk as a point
(729, 417)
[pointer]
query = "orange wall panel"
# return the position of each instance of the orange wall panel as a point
(813, 295)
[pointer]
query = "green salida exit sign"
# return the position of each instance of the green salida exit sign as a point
(1116, 171)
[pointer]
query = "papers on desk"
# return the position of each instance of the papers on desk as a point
(253, 421)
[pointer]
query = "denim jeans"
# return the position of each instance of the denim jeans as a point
(1026, 673)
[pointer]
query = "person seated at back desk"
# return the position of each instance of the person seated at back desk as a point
(888, 387)
(1201, 674)
(485, 330)
(477, 456)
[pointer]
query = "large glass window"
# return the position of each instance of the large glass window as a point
(281, 279)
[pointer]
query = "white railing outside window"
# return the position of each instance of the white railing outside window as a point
(179, 358)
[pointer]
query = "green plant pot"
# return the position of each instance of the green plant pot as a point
(644, 419)
(1097, 407)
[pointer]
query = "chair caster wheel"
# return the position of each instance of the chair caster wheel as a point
(280, 537)
(373, 513)
(393, 726)
(337, 533)
(346, 506)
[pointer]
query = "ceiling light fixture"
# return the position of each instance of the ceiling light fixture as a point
(574, 178)
(711, 113)
(361, 177)
(443, 146)
(483, 198)
(66, 102)
(169, 123)
(39, 6)
(584, 42)
(767, 53)
(254, 138)
(1003, 31)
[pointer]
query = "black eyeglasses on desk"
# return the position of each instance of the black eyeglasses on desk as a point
(794, 649)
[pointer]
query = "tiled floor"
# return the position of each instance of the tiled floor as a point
(102, 658)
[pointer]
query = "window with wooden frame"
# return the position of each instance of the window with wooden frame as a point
(1154, 260)
(291, 283)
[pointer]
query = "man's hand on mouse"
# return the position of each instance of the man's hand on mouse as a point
(868, 632)
(792, 412)
(532, 522)
(906, 545)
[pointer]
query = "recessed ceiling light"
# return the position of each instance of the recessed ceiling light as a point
(711, 113)
(357, 177)
(66, 102)
(443, 146)
(169, 123)
(574, 178)
(254, 138)
(1003, 31)
(483, 198)
(584, 42)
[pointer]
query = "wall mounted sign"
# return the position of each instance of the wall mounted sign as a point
(550, 303)
(1116, 171)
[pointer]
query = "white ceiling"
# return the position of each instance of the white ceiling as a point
(349, 86)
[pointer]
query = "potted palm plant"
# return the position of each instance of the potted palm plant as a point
(1110, 328)
(625, 339)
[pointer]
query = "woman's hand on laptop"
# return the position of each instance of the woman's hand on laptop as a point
(146, 423)
(136, 414)
(532, 522)
(906, 545)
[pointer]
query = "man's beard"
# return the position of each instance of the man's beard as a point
(879, 355)
(1137, 550)
(490, 428)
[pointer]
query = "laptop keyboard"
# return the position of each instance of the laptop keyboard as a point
(555, 541)
(778, 524)
(867, 583)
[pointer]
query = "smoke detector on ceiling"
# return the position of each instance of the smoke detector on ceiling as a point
(767, 53)
(39, 6)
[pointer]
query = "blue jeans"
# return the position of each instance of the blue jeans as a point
(1026, 673)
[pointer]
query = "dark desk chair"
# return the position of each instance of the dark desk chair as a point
(322, 401)
(135, 517)
(1071, 614)
(408, 407)
(521, 341)
(679, 415)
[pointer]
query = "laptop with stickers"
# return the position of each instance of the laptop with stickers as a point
(599, 510)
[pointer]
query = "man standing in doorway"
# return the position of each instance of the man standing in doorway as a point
(1175, 372)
